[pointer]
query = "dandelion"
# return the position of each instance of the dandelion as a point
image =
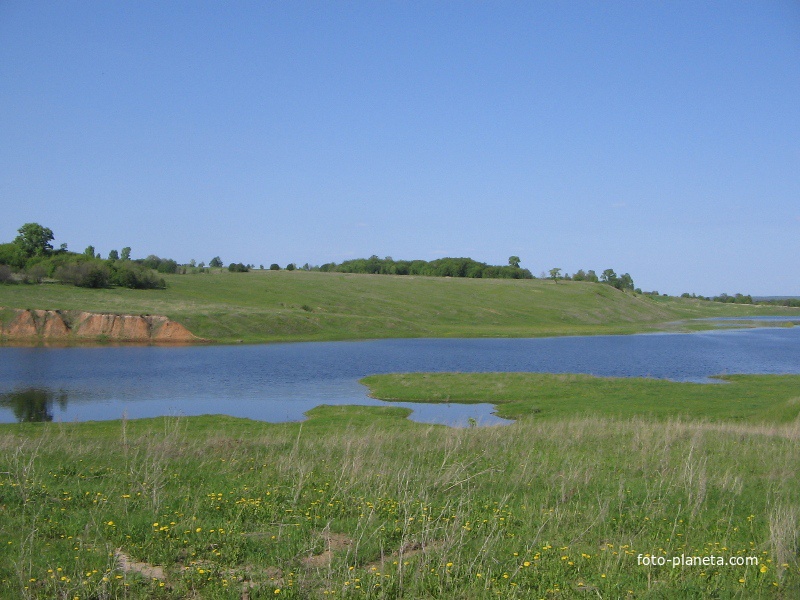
(764, 568)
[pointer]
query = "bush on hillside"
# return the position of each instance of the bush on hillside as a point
(131, 275)
(5, 274)
(91, 274)
(12, 255)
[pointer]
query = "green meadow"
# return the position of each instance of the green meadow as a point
(270, 306)
(570, 501)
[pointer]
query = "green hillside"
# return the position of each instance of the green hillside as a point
(262, 306)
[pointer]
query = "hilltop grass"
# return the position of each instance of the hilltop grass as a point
(267, 306)
(359, 502)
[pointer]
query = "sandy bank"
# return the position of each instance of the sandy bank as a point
(26, 326)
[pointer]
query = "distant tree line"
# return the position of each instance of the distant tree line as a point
(442, 267)
(622, 282)
(746, 299)
(31, 258)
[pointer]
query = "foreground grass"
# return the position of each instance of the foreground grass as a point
(358, 502)
(265, 306)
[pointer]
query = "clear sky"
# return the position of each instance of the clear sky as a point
(656, 138)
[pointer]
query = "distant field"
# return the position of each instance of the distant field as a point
(265, 306)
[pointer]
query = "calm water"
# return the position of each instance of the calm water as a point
(279, 382)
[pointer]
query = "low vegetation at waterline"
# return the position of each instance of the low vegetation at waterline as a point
(739, 398)
(358, 502)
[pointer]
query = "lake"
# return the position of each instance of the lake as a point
(279, 382)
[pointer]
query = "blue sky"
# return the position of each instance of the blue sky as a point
(656, 138)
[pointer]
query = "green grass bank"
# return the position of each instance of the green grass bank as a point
(736, 398)
(359, 502)
(269, 306)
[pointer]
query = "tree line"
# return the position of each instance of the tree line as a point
(442, 267)
(32, 258)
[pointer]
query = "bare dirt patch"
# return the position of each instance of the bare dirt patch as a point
(128, 565)
(333, 542)
(407, 550)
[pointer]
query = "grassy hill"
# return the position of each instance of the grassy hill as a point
(262, 306)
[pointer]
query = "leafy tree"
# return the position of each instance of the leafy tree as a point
(215, 262)
(13, 255)
(625, 282)
(592, 276)
(274, 267)
(126, 253)
(290, 267)
(238, 268)
(89, 251)
(34, 240)
(113, 255)
(555, 273)
(192, 263)
(609, 276)
(513, 261)
(167, 266)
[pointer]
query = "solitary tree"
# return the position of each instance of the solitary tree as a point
(215, 262)
(513, 261)
(609, 276)
(555, 273)
(34, 240)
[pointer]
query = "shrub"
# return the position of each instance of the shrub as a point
(91, 274)
(5, 274)
(238, 268)
(131, 275)
(35, 273)
(12, 255)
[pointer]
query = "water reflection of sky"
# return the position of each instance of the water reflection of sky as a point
(280, 382)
